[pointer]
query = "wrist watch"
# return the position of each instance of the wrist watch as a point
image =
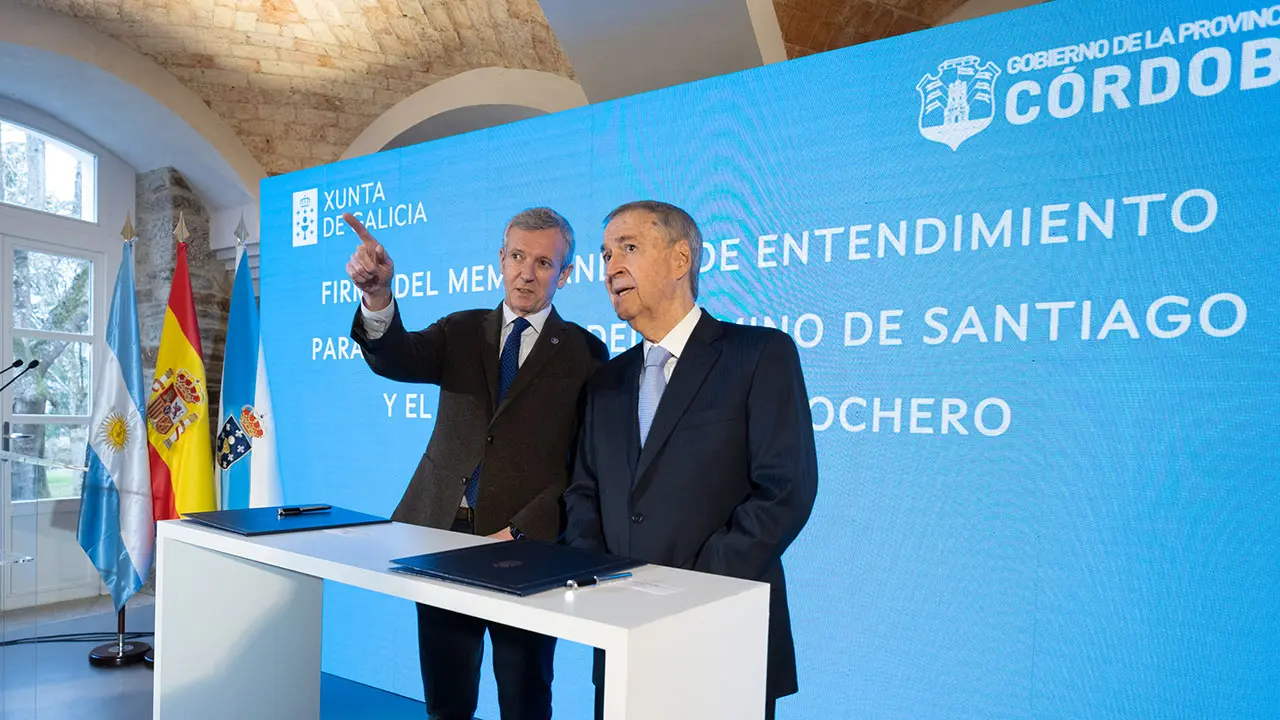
(515, 532)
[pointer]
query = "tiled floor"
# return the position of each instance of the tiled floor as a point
(54, 681)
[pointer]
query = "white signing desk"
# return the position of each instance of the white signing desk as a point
(238, 624)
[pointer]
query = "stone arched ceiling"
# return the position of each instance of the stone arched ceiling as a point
(298, 80)
(813, 26)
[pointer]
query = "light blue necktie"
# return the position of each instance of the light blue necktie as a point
(652, 383)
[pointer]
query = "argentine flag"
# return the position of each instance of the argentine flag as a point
(117, 529)
(248, 471)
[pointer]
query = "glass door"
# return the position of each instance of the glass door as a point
(49, 322)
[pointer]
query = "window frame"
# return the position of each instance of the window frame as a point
(89, 178)
(97, 346)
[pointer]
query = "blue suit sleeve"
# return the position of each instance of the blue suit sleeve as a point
(784, 470)
(583, 528)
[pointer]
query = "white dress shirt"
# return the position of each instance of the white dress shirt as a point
(531, 333)
(376, 323)
(675, 340)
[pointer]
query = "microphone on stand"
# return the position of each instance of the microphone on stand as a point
(31, 366)
(16, 364)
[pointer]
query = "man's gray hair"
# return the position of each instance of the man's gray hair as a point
(676, 225)
(544, 218)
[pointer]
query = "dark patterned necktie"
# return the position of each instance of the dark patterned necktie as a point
(508, 364)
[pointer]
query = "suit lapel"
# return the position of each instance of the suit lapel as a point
(553, 335)
(629, 412)
(490, 331)
(699, 355)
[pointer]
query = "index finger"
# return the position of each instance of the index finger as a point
(360, 229)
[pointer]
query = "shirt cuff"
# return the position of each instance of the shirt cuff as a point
(376, 322)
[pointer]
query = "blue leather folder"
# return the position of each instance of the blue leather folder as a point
(267, 521)
(516, 567)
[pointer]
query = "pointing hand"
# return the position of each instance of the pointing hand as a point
(370, 268)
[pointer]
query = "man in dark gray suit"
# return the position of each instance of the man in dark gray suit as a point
(498, 459)
(697, 447)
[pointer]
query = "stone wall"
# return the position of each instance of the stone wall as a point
(162, 195)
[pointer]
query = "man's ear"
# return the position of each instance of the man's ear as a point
(684, 258)
(564, 275)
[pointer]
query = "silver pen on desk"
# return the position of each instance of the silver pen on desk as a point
(594, 580)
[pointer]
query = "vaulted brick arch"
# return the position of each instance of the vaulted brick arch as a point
(299, 80)
(537, 92)
(812, 26)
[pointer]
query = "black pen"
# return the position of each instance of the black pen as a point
(594, 580)
(302, 509)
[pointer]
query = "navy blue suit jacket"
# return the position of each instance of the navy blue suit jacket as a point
(726, 479)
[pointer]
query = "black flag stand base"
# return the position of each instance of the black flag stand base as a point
(150, 657)
(119, 653)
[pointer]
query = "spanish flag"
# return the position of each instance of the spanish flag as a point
(178, 412)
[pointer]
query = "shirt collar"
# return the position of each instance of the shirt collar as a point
(537, 320)
(679, 335)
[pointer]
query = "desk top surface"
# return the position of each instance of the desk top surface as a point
(360, 556)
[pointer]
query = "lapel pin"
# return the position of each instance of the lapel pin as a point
(555, 341)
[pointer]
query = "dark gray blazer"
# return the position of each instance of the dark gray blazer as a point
(524, 446)
(725, 481)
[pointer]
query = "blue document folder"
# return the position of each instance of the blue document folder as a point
(267, 520)
(516, 567)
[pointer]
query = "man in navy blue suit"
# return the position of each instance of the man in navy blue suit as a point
(696, 449)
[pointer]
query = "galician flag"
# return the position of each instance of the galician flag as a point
(178, 411)
(249, 474)
(117, 530)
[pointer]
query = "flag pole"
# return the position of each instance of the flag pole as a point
(180, 233)
(119, 653)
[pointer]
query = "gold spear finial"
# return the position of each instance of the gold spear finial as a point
(180, 232)
(127, 232)
(242, 233)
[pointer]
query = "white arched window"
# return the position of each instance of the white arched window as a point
(46, 174)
